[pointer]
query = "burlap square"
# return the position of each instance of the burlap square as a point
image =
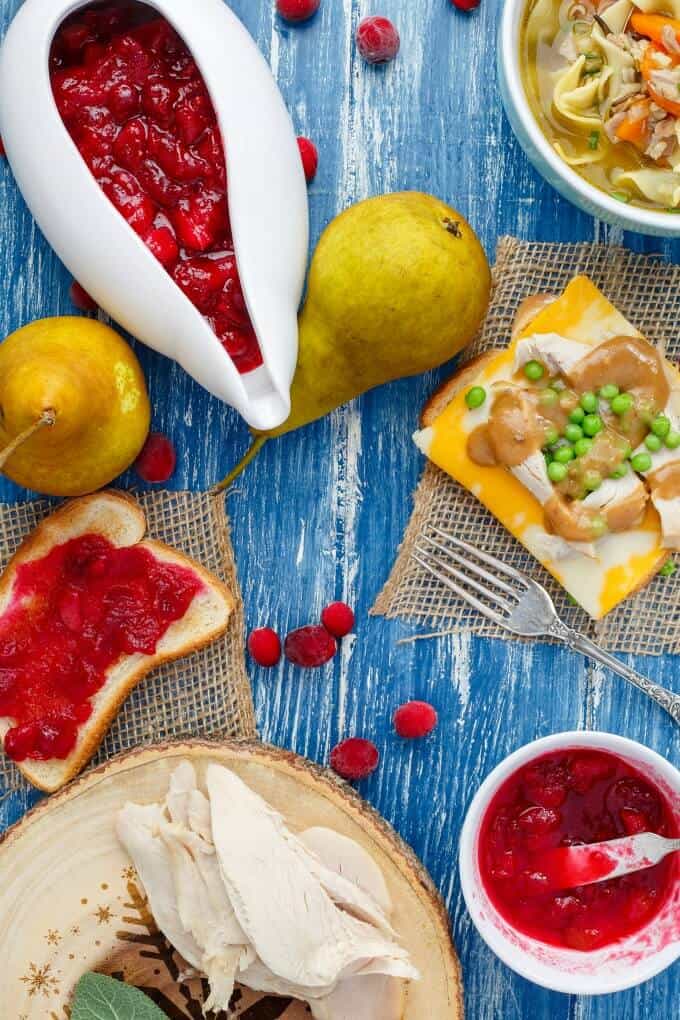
(647, 291)
(206, 694)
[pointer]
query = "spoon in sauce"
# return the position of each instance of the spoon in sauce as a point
(570, 866)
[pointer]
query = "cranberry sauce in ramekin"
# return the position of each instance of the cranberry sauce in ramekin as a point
(571, 797)
(135, 104)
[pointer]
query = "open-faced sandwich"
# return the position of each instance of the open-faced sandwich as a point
(88, 607)
(571, 437)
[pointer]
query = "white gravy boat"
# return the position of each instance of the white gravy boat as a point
(267, 202)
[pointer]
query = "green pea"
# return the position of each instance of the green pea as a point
(582, 446)
(592, 480)
(653, 443)
(668, 569)
(573, 432)
(609, 391)
(598, 526)
(551, 435)
(577, 415)
(588, 402)
(621, 471)
(592, 424)
(563, 454)
(661, 426)
(557, 472)
(548, 397)
(672, 440)
(534, 371)
(475, 397)
(622, 403)
(641, 462)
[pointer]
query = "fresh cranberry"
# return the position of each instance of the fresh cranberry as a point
(158, 459)
(297, 10)
(310, 158)
(81, 299)
(264, 645)
(310, 646)
(415, 719)
(2, 149)
(338, 619)
(378, 40)
(355, 758)
(466, 5)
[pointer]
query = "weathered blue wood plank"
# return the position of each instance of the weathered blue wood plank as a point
(320, 514)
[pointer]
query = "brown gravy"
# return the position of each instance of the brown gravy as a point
(665, 483)
(634, 366)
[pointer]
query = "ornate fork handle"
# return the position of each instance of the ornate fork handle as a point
(667, 699)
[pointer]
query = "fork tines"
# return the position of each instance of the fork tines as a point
(460, 566)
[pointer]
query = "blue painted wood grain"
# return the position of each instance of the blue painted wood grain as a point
(320, 513)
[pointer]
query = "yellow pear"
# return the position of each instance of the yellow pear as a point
(398, 285)
(74, 410)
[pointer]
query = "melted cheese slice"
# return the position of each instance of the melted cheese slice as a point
(622, 562)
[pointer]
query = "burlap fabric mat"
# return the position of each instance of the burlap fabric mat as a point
(207, 693)
(647, 291)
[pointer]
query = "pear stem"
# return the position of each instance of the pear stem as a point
(47, 418)
(250, 454)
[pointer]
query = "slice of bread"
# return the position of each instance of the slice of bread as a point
(118, 518)
(625, 561)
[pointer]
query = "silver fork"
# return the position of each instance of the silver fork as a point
(517, 603)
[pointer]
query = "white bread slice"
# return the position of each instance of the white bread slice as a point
(120, 519)
(594, 585)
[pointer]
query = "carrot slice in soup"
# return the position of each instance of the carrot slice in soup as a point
(647, 68)
(651, 26)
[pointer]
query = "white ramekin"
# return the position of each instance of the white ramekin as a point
(612, 968)
(541, 153)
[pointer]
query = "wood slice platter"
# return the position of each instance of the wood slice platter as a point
(70, 901)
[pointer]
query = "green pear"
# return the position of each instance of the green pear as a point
(398, 285)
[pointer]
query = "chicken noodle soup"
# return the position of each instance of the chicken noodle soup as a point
(603, 81)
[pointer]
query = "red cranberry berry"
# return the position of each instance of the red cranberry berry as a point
(466, 5)
(310, 158)
(378, 40)
(338, 619)
(310, 646)
(2, 149)
(355, 758)
(157, 461)
(264, 645)
(415, 719)
(297, 10)
(81, 299)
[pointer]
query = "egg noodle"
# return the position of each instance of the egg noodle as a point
(603, 81)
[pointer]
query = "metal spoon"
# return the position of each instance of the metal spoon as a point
(569, 866)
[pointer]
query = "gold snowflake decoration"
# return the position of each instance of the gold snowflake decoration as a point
(40, 979)
(53, 938)
(75, 930)
(129, 874)
(104, 915)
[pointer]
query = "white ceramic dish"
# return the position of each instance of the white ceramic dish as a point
(267, 202)
(541, 153)
(613, 968)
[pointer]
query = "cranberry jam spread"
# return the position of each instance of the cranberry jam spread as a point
(136, 106)
(571, 798)
(72, 615)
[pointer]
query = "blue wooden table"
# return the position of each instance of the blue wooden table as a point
(320, 513)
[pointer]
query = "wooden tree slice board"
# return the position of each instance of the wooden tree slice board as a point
(71, 902)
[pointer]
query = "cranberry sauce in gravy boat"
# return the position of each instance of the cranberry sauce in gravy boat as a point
(267, 202)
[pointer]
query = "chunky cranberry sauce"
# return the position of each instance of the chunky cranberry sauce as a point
(572, 798)
(73, 614)
(136, 106)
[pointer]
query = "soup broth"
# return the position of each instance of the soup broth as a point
(603, 81)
